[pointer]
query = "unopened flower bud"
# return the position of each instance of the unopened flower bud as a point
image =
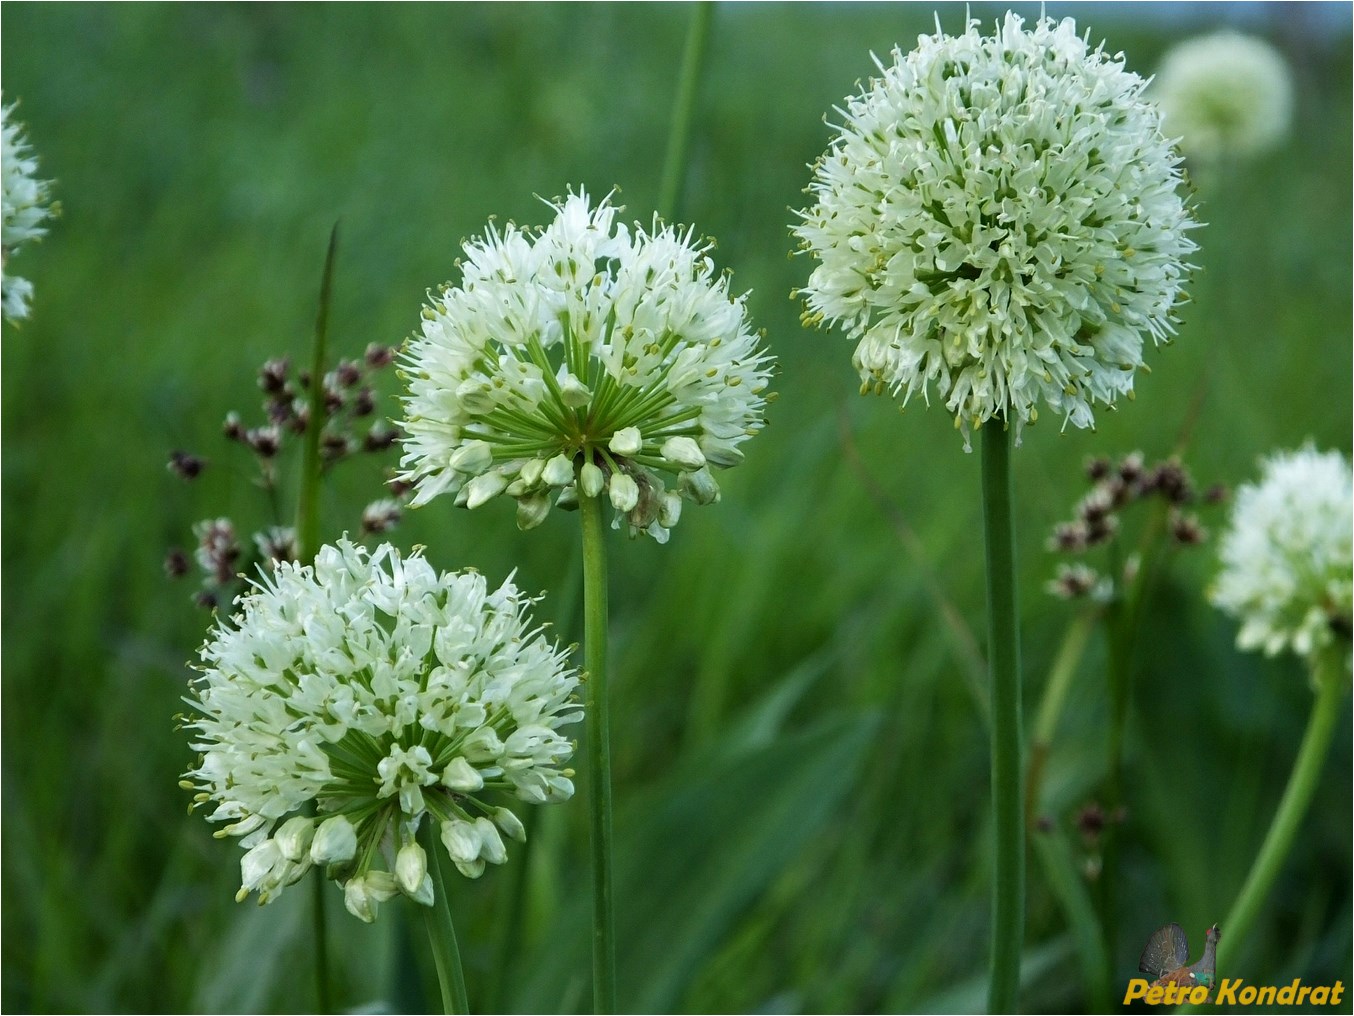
(531, 470)
(335, 841)
(683, 452)
(591, 479)
(532, 510)
(461, 840)
(670, 509)
(483, 487)
(558, 472)
(626, 441)
(700, 486)
(411, 867)
(257, 864)
(471, 869)
(295, 836)
(462, 777)
(624, 492)
(511, 825)
(472, 457)
(382, 885)
(573, 392)
(360, 903)
(423, 895)
(491, 844)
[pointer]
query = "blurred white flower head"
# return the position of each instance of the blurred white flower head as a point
(582, 354)
(26, 207)
(1286, 556)
(1224, 94)
(348, 702)
(999, 217)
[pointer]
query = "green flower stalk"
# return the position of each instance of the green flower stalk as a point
(998, 220)
(576, 366)
(1287, 573)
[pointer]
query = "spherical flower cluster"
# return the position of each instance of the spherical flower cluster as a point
(999, 217)
(25, 207)
(349, 701)
(1224, 94)
(1286, 556)
(582, 358)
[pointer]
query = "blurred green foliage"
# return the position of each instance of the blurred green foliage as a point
(800, 758)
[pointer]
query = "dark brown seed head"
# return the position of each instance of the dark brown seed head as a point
(378, 356)
(347, 373)
(185, 465)
(273, 375)
(176, 563)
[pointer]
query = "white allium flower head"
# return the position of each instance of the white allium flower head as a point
(25, 208)
(372, 693)
(999, 217)
(582, 350)
(1224, 94)
(1286, 556)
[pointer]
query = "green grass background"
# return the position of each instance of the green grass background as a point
(801, 766)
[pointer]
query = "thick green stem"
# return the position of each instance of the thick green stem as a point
(599, 752)
(323, 1001)
(308, 542)
(1302, 784)
(1003, 653)
(441, 933)
(683, 107)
